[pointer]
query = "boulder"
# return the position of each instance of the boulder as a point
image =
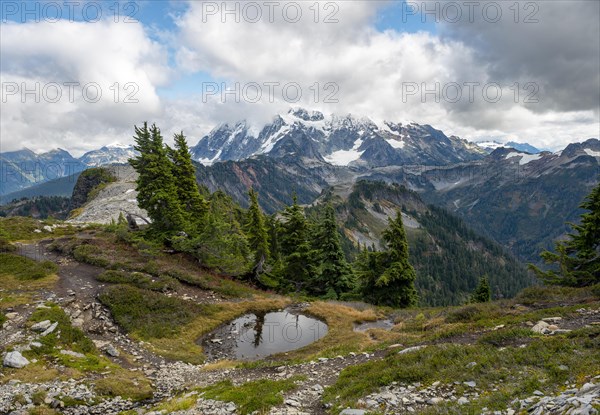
(541, 327)
(112, 351)
(15, 360)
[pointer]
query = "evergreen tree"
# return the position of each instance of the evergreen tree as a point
(390, 279)
(221, 244)
(334, 275)
(257, 234)
(273, 228)
(297, 266)
(483, 292)
(578, 258)
(188, 192)
(157, 193)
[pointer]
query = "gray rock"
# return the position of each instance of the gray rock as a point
(353, 412)
(112, 351)
(411, 349)
(541, 327)
(15, 360)
(41, 326)
(49, 330)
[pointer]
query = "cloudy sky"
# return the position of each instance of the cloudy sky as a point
(79, 75)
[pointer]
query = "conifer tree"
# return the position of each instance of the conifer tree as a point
(193, 203)
(221, 244)
(157, 193)
(257, 234)
(578, 258)
(334, 275)
(389, 278)
(483, 292)
(273, 228)
(297, 266)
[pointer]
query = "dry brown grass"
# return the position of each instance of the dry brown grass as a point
(34, 373)
(341, 337)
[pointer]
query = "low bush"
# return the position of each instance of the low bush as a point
(147, 313)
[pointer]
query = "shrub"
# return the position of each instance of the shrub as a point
(25, 269)
(147, 313)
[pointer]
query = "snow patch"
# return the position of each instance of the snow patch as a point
(119, 145)
(209, 162)
(396, 143)
(489, 144)
(592, 152)
(525, 158)
(345, 157)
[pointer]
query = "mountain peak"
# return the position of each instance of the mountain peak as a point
(340, 139)
(305, 115)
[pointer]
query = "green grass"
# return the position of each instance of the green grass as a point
(149, 314)
(65, 334)
(25, 269)
(259, 395)
(20, 228)
(514, 371)
(127, 385)
(506, 336)
(140, 280)
(90, 254)
(132, 253)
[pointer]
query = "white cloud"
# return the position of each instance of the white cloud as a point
(369, 67)
(98, 55)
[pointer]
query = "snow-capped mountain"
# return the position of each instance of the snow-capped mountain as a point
(338, 140)
(110, 154)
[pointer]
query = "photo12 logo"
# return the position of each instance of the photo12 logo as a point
(269, 11)
(255, 92)
(72, 11)
(454, 92)
(471, 11)
(54, 92)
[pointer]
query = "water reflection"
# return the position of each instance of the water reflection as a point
(261, 334)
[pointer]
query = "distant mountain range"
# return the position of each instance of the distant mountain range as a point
(25, 169)
(309, 136)
(519, 196)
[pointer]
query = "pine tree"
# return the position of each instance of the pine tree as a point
(157, 193)
(578, 258)
(221, 244)
(297, 267)
(257, 234)
(389, 278)
(193, 203)
(334, 275)
(483, 292)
